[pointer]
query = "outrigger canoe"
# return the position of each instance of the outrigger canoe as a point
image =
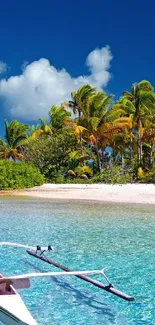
(12, 308)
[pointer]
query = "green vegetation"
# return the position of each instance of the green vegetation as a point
(88, 139)
(15, 175)
(15, 133)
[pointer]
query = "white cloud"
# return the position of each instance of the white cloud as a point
(31, 94)
(3, 66)
(98, 62)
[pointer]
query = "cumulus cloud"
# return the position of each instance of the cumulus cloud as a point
(3, 66)
(30, 95)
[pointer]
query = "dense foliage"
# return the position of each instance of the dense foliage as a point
(51, 155)
(90, 138)
(15, 175)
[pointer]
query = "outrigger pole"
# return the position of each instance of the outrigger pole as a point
(96, 283)
(34, 248)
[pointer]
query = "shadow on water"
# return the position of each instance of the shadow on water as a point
(100, 308)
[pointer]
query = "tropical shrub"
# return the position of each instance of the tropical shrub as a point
(81, 172)
(148, 177)
(15, 175)
(114, 175)
(64, 180)
(51, 156)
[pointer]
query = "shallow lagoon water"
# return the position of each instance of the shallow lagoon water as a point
(85, 235)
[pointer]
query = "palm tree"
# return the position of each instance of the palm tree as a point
(97, 121)
(95, 118)
(78, 132)
(148, 139)
(59, 116)
(15, 134)
(80, 99)
(141, 103)
(58, 119)
(126, 125)
(32, 129)
(121, 143)
(42, 129)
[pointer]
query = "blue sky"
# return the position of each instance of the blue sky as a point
(40, 38)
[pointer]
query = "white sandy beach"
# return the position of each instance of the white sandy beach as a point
(126, 193)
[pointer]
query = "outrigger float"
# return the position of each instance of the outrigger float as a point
(12, 308)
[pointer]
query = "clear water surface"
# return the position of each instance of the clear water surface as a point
(86, 235)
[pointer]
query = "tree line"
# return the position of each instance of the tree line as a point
(90, 137)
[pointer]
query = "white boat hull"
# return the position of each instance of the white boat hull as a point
(14, 312)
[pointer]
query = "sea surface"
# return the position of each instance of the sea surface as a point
(85, 236)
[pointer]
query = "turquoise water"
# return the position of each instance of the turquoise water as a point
(85, 236)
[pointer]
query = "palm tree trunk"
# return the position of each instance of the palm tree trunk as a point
(81, 144)
(140, 152)
(139, 142)
(102, 158)
(152, 154)
(122, 156)
(138, 148)
(131, 149)
(98, 158)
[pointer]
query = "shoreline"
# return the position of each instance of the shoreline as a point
(108, 193)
